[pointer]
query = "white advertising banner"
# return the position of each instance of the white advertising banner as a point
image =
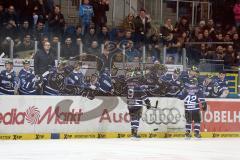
(65, 114)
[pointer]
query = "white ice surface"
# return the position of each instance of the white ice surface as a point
(121, 149)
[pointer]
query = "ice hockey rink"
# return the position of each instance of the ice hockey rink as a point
(121, 149)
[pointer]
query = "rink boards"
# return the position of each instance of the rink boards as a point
(44, 117)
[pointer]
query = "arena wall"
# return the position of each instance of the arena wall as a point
(46, 117)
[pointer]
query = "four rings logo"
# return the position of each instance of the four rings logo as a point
(162, 116)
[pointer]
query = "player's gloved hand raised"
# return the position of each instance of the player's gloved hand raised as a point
(148, 103)
(204, 106)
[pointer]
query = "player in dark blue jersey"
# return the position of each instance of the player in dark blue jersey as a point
(119, 82)
(8, 79)
(54, 80)
(105, 81)
(193, 99)
(76, 77)
(91, 87)
(173, 82)
(136, 97)
(208, 86)
(27, 80)
(192, 73)
(221, 86)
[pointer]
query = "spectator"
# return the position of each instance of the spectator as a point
(39, 31)
(117, 35)
(204, 53)
(26, 48)
(167, 31)
(10, 15)
(26, 11)
(42, 42)
(9, 30)
(128, 23)
(128, 35)
(230, 57)
(68, 50)
(86, 14)
(43, 8)
(43, 60)
(54, 44)
(1, 16)
(206, 37)
(236, 10)
(78, 32)
(219, 54)
(103, 36)
(25, 29)
(94, 49)
(131, 52)
(105, 58)
(100, 8)
(56, 22)
(236, 42)
(183, 26)
(142, 25)
(89, 37)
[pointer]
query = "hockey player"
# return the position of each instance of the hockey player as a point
(193, 99)
(221, 86)
(8, 79)
(54, 80)
(105, 81)
(192, 73)
(91, 87)
(136, 97)
(119, 83)
(173, 82)
(27, 80)
(208, 86)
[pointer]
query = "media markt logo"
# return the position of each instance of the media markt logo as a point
(32, 115)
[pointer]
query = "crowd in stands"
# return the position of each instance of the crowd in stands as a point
(26, 21)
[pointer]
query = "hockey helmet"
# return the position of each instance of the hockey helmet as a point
(8, 61)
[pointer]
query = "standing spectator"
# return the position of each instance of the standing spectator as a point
(183, 26)
(142, 25)
(26, 11)
(236, 10)
(86, 14)
(68, 50)
(128, 23)
(167, 31)
(43, 59)
(100, 8)
(56, 22)
(40, 11)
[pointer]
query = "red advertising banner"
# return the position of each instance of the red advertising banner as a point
(222, 116)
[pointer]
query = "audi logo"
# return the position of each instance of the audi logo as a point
(162, 116)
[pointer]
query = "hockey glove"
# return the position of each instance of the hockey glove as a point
(148, 103)
(204, 106)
